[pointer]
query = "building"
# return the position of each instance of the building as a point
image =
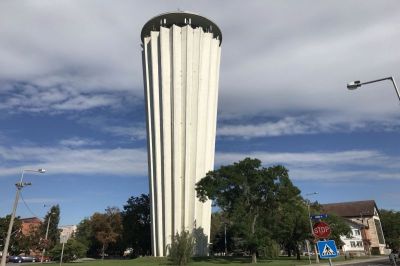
(363, 217)
(181, 57)
(68, 230)
(30, 225)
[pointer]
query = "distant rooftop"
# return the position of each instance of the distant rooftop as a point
(181, 18)
(351, 208)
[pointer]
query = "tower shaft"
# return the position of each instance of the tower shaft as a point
(181, 71)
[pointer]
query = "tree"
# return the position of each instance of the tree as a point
(339, 227)
(16, 240)
(247, 192)
(136, 225)
(106, 229)
(291, 224)
(54, 233)
(84, 232)
(390, 220)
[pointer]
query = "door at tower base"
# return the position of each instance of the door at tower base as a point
(181, 57)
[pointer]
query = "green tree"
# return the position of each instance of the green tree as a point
(247, 192)
(84, 233)
(54, 233)
(73, 250)
(136, 225)
(339, 227)
(17, 239)
(390, 220)
(291, 224)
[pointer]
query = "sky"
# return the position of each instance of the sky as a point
(72, 102)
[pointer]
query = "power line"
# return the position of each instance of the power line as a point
(26, 205)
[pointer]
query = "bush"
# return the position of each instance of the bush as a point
(73, 250)
(181, 248)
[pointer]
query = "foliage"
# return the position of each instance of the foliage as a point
(101, 232)
(217, 235)
(247, 192)
(73, 250)
(104, 232)
(16, 245)
(84, 234)
(181, 248)
(339, 227)
(54, 233)
(291, 223)
(136, 225)
(390, 220)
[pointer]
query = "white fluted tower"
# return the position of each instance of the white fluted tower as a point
(181, 58)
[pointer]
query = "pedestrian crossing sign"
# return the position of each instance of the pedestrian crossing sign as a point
(327, 249)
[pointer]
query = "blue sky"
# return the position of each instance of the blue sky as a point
(71, 98)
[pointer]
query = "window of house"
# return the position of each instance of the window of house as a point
(356, 232)
(352, 244)
(359, 244)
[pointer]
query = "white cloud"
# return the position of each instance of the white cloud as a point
(133, 132)
(64, 160)
(82, 52)
(327, 166)
(79, 142)
(302, 125)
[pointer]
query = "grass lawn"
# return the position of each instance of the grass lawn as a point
(151, 261)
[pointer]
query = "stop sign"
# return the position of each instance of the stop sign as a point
(321, 230)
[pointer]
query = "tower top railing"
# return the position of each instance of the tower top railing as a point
(181, 18)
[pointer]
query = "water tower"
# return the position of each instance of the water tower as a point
(181, 58)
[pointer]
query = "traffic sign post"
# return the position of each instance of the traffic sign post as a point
(327, 250)
(319, 216)
(321, 230)
(63, 241)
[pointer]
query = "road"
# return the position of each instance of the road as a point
(382, 262)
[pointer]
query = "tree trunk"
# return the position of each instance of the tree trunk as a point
(102, 252)
(253, 231)
(289, 252)
(297, 253)
(254, 257)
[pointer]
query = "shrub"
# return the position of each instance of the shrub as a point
(73, 250)
(181, 248)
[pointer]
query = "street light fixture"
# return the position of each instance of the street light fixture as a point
(311, 227)
(356, 84)
(19, 186)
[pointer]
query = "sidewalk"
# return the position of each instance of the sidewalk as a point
(352, 261)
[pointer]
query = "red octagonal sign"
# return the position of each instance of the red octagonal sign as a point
(321, 230)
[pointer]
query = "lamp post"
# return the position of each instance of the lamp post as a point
(356, 84)
(19, 186)
(47, 233)
(311, 228)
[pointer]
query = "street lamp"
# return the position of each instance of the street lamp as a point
(311, 227)
(356, 84)
(47, 233)
(19, 186)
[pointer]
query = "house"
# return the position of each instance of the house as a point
(363, 218)
(68, 230)
(30, 225)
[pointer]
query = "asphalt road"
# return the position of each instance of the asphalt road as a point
(382, 262)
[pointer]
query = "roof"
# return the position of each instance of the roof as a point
(351, 208)
(181, 18)
(31, 220)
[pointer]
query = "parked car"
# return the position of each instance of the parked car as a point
(21, 258)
